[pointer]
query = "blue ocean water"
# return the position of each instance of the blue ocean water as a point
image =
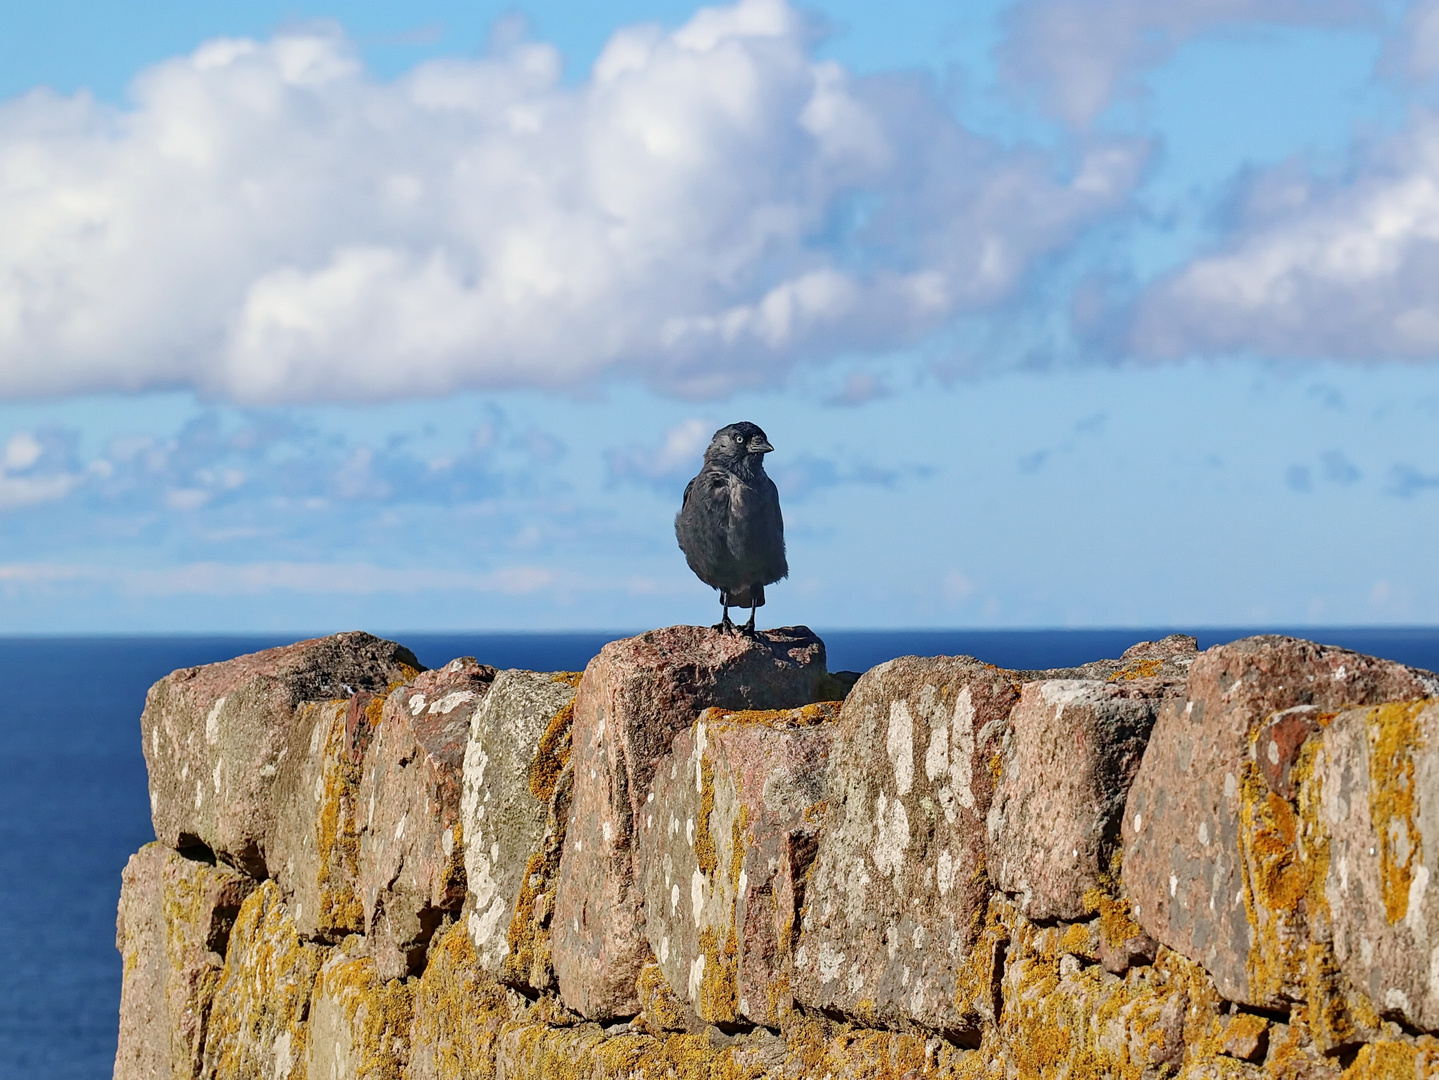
(73, 802)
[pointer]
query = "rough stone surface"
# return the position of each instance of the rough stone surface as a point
(898, 887)
(1184, 864)
(459, 1011)
(172, 931)
(518, 743)
(636, 695)
(217, 738)
(314, 846)
(257, 1024)
(411, 854)
(1333, 841)
(724, 846)
(1068, 756)
(359, 1024)
(1378, 779)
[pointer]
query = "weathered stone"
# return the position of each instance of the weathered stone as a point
(172, 931)
(257, 1023)
(1068, 756)
(724, 843)
(314, 845)
(528, 965)
(636, 695)
(1378, 779)
(459, 1011)
(898, 888)
(1245, 1036)
(518, 743)
(218, 739)
(359, 1024)
(411, 854)
(1187, 865)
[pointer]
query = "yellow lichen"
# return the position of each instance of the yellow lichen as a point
(365, 1021)
(1116, 919)
(705, 855)
(1394, 740)
(1137, 669)
(552, 753)
(459, 1012)
(719, 985)
(337, 829)
(819, 712)
(257, 1024)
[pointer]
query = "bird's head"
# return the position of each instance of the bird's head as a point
(736, 443)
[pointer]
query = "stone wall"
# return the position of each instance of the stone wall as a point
(708, 857)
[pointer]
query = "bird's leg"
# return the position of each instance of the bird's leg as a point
(748, 629)
(724, 624)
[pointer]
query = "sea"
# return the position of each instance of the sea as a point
(73, 800)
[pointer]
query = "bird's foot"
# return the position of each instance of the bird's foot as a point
(725, 626)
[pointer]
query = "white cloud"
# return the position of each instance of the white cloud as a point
(676, 458)
(268, 223)
(1415, 49)
(318, 578)
(1075, 56)
(37, 468)
(1346, 270)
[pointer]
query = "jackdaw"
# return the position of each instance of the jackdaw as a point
(730, 527)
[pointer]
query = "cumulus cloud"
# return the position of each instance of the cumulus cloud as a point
(269, 223)
(1075, 56)
(1343, 269)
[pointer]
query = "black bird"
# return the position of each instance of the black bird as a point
(730, 527)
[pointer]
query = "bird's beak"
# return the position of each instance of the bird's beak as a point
(760, 447)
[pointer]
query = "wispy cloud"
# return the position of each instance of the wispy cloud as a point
(315, 578)
(673, 462)
(1077, 56)
(1407, 480)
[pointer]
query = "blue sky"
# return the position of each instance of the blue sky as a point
(1058, 312)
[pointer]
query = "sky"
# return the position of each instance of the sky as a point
(319, 316)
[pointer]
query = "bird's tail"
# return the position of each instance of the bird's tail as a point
(749, 596)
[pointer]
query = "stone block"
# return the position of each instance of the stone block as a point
(459, 1011)
(359, 1024)
(218, 739)
(411, 871)
(313, 849)
(519, 741)
(898, 889)
(257, 1023)
(636, 695)
(724, 843)
(1068, 755)
(1189, 868)
(172, 930)
(1377, 779)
